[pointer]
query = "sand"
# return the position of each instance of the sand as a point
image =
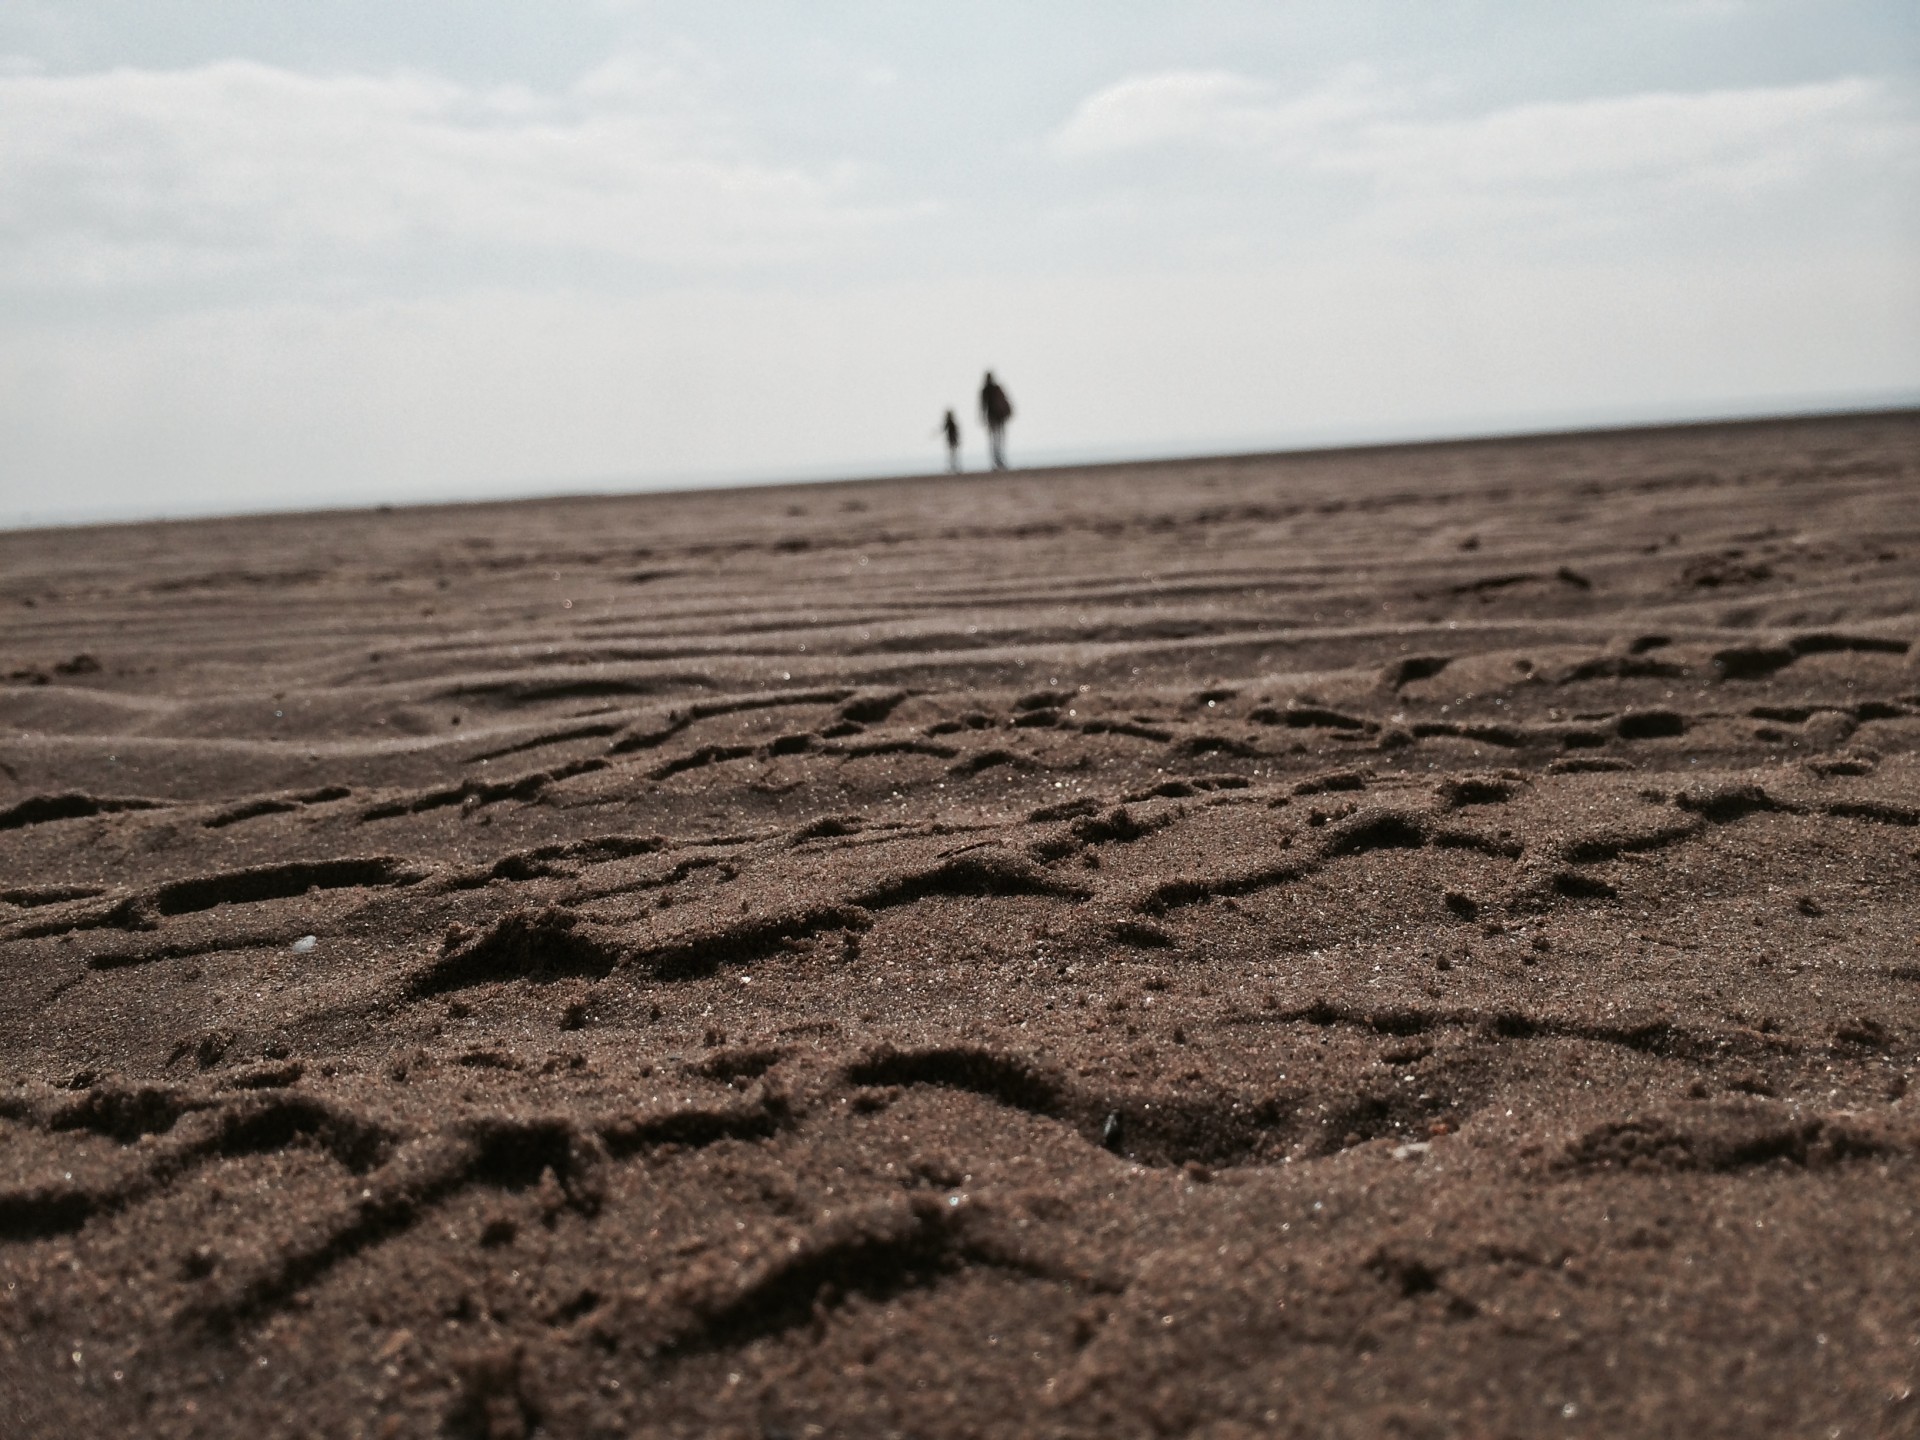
(1417, 941)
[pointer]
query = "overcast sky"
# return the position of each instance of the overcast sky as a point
(255, 255)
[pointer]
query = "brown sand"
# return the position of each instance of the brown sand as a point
(1408, 942)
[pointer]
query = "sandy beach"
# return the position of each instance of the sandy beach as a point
(1420, 941)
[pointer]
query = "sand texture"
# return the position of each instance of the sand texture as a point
(1411, 942)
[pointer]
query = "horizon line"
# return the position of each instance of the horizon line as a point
(1062, 459)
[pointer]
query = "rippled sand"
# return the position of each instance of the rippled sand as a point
(1421, 941)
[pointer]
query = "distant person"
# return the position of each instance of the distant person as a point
(996, 409)
(950, 428)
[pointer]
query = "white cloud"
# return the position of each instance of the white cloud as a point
(1214, 108)
(1724, 141)
(139, 176)
(1718, 139)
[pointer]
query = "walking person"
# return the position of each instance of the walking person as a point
(996, 409)
(950, 428)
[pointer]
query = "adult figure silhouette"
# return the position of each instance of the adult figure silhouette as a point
(950, 428)
(996, 409)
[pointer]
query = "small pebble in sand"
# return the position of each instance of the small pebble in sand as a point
(304, 944)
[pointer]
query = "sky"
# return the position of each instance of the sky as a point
(263, 256)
